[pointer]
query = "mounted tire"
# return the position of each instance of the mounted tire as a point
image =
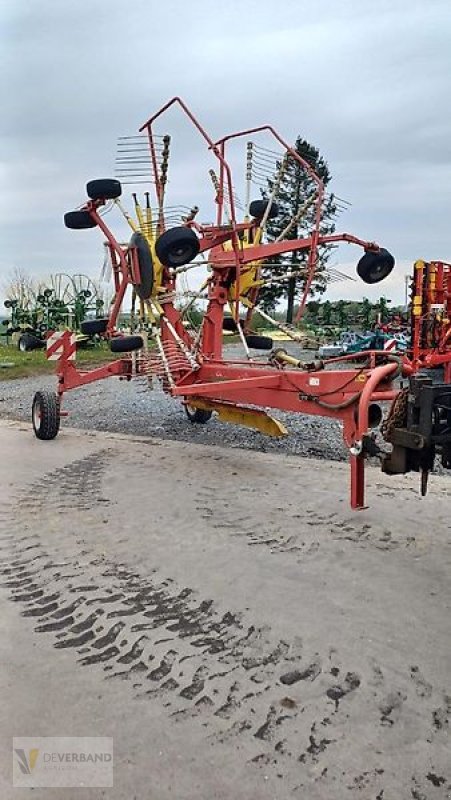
(258, 207)
(145, 262)
(45, 415)
(125, 344)
(79, 220)
(375, 267)
(177, 246)
(103, 189)
(259, 342)
(198, 416)
(29, 342)
(229, 324)
(91, 327)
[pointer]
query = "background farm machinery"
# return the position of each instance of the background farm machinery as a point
(190, 362)
(64, 301)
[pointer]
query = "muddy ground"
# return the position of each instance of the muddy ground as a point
(226, 618)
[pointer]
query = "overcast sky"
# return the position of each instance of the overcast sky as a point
(368, 83)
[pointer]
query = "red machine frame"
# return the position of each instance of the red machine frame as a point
(347, 395)
(431, 317)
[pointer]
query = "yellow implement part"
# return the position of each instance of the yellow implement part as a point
(282, 357)
(157, 268)
(140, 216)
(127, 216)
(148, 218)
(240, 415)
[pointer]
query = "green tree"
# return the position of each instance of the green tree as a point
(342, 313)
(326, 312)
(296, 188)
(313, 308)
(366, 313)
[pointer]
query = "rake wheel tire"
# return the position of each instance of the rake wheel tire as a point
(91, 327)
(177, 246)
(29, 342)
(198, 416)
(46, 415)
(258, 207)
(125, 344)
(375, 267)
(79, 220)
(229, 324)
(145, 261)
(103, 189)
(259, 342)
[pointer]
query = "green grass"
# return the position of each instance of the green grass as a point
(25, 365)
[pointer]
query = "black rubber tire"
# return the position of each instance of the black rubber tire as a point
(23, 343)
(29, 342)
(198, 416)
(125, 344)
(91, 327)
(145, 261)
(177, 246)
(259, 342)
(83, 342)
(258, 207)
(103, 189)
(79, 220)
(45, 415)
(229, 324)
(375, 267)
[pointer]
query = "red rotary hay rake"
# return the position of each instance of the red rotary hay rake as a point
(190, 363)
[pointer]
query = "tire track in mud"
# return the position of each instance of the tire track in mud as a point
(166, 643)
(163, 640)
(232, 515)
(231, 510)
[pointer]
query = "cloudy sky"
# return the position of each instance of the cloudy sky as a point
(367, 83)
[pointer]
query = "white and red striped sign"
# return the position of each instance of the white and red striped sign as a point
(61, 343)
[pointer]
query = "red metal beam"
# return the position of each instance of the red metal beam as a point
(271, 249)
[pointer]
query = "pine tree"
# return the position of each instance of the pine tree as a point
(296, 187)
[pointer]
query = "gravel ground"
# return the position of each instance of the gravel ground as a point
(134, 408)
(131, 407)
(121, 407)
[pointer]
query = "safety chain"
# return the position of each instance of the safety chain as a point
(397, 415)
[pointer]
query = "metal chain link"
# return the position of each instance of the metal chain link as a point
(397, 415)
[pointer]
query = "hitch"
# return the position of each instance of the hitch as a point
(423, 433)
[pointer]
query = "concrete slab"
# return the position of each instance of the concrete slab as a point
(226, 618)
